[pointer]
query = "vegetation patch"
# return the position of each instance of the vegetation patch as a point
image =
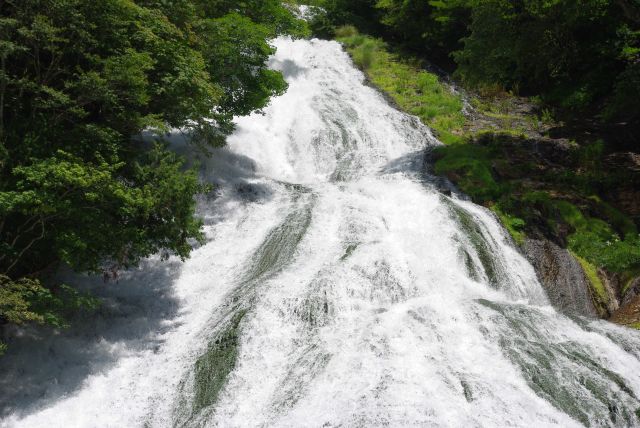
(599, 292)
(514, 225)
(416, 91)
(80, 82)
(469, 166)
(214, 366)
(528, 202)
(478, 243)
(28, 301)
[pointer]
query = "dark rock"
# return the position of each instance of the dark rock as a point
(631, 293)
(628, 161)
(547, 151)
(561, 276)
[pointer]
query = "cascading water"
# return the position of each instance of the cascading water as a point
(337, 288)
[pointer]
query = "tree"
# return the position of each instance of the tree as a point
(574, 53)
(79, 81)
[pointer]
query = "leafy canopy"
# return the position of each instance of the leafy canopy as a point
(80, 81)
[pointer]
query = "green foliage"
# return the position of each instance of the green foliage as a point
(514, 225)
(332, 14)
(79, 82)
(413, 89)
(16, 298)
(592, 239)
(89, 216)
(574, 53)
(612, 253)
(580, 56)
(346, 31)
(469, 165)
(28, 301)
(431, 27)
(623, 105)
(601, 297)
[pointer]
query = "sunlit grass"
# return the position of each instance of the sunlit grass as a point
(596, 283)
(416, 91)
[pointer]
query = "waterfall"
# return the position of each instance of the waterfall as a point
(337, 287)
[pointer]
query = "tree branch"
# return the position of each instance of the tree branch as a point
(25, 249)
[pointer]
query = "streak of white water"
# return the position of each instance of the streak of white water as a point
(338, 288)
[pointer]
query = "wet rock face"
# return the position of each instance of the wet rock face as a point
(561, 276)
(632, 292)
(611, 284)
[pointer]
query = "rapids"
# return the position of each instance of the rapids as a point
(337, 288)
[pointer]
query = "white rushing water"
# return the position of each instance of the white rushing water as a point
(338, 288)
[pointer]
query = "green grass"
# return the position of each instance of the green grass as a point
(514, 225)
(597, 285)
(618, 220)
(593, 239)
(469, 166)
(416, 91)
(636, 325)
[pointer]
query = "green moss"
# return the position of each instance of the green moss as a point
(627, 279)
(213, 367)
(470, 166)
(574, 216)
(592, 238)
(618, 220)
(280, 245)
(626, 286)
(477, 240)
(514, 225)
(413, 89)
(597, 286)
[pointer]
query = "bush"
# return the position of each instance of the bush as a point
(346, 31)
(365, 54)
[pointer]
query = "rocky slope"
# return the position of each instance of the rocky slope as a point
(551, 193)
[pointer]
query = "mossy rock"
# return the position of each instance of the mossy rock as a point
(598, 291)
(213, 368)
